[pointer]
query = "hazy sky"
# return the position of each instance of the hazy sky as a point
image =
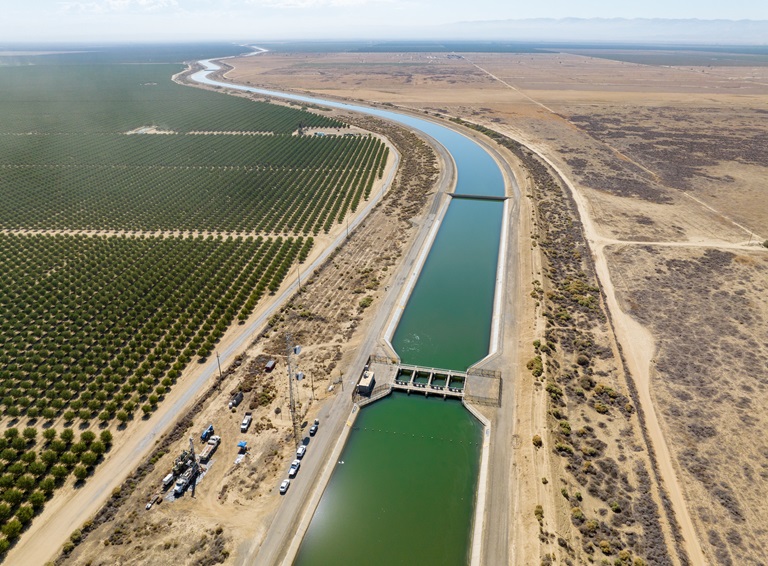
(119, 20)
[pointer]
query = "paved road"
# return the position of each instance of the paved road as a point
(496, 539)
(305, 492)
(62, 515)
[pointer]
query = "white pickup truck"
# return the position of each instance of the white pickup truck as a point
(246, 422)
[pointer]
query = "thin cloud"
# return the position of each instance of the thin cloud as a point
(119, 6)
(289, 4)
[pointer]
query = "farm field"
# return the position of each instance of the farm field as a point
(331, 318)
(127, 254)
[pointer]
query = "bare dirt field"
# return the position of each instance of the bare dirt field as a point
(668, 167)
(235, 501)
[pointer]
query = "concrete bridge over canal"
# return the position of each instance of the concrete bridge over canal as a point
(444, 382)
(474, 385)
(477, 197)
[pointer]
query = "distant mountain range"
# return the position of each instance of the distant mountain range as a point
(688, 31)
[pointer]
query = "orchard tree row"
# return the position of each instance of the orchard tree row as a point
(178, 151)
(31, 468)
(300, 200)
(101, 327)
(121, 98)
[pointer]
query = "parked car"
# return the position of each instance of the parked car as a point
(301, 451)
(246, 422)
(294, 469)
(313, 430)
(155, 499)
(284, 486)
(237, 398)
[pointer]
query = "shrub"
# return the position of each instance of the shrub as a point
(25, 514)
(536, 365)
(59, 472)
(563, 448)
(13, 496)
(601, 408)
(89, 459)
(539, 513)
(537, 441)
(554, 391)
(48, 484)
(12, 529)
(81, 472)
(37, 500)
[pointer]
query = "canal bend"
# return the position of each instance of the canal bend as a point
(403, 490)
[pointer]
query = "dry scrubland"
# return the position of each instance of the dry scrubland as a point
(671, 161)
(234, 504)
(711, 380)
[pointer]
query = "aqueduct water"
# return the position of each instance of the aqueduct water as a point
(404, 488)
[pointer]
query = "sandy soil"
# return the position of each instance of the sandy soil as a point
(656, 155)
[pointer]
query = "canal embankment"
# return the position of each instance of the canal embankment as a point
(486, 221)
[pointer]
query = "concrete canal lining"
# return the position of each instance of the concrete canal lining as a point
(492, 347)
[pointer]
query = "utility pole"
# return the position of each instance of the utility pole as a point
(195, 468)
(290, 350)
(312, 383)
(218, 363)
(298, 275)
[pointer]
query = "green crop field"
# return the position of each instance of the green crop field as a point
(91, 325)
(155, 182)
(97, 328)
(120, 98)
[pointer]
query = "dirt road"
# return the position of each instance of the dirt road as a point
(639, 348)
(69, 509)
(290, 522)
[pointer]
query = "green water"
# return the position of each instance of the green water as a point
(447, 321)
(405, 491)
